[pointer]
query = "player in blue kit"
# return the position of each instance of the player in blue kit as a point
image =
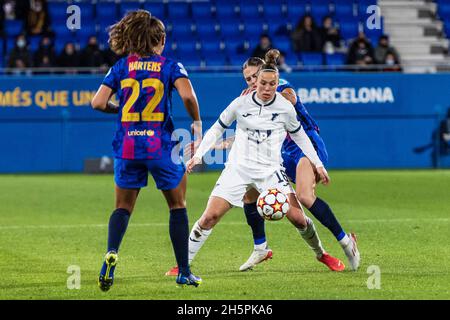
(300, 171)
(143, 82)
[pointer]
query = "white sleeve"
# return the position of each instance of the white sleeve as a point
(228, 116)
(210, 139)
(226, 119)
(302, 140)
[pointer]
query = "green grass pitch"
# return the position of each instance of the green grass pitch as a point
(51, 222)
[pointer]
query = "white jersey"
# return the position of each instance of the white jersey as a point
(260, 131)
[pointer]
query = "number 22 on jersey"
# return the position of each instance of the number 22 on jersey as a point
(147, 114)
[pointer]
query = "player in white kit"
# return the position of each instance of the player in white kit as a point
(263, 120)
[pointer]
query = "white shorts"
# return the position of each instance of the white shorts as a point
(233, 183)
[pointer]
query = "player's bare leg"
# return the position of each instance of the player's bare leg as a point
(179, 232)
(118, 223)
(307, 230)
(260, 251)
(305, 190)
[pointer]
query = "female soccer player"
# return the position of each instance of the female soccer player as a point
(263, 118)
(144, 81)
(299, 169)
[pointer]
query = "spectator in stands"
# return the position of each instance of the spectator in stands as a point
(45, 55)
(13, 9)
(37, 21)
(390, 60)
(330, 35)
(265, 44)
(109, 57)
(306, 36)
(282, 65)
(92, 56)
(360, 51)
(20, 56)
(69, 57)
(383, 49)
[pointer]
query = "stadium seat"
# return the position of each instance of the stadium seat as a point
(311, 58)
(235, 47)
(57, 12)
(283, 44)
(191, 60)
(231, 30)
(336, 59)
(319, 11)
(343, 10)
(201, 10)
(211, 48)
(33, 42)
(156, 9)
(183, 31)
(126, 6)
(295, 13)
(87, 12)
(250, 11)
(178, 10)
(206, 31)
(253, 31)
(13, 27)
(274, 11)
(349, 29)
(219, 59)
(106, 11)
(59, 45)
(225, 12)
(291, 59)
(185, 48)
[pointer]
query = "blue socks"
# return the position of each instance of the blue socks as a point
(118, 223)
(179, 234)
(322, 211)
(256, 222)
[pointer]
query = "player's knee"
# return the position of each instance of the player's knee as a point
(209, 220)
(125, 206)
(306, 198)
(179, 204)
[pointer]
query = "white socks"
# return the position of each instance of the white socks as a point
(197, 238)
(344, 241)
(312, 238)
(262, 246)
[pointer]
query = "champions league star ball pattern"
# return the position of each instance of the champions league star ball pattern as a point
(272, 204)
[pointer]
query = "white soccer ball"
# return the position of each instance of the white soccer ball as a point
(272, 204)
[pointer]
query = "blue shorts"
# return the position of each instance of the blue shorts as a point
(292, 158)
(133, 174)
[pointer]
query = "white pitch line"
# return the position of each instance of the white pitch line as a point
(164, 224)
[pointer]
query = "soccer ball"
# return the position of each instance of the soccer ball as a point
(272, 204)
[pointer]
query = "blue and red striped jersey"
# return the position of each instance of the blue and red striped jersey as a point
(143, 87)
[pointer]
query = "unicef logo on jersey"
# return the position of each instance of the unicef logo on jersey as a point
(258, 136)
(141, 133)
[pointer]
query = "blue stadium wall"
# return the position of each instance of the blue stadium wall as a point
(367, 120)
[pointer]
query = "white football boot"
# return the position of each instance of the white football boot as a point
(352, 252)
(257, 256)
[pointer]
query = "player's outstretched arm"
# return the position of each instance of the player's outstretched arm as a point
(101, 100)
(209, 140)
(187, 94)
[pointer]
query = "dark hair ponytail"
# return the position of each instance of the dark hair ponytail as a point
(271, 60)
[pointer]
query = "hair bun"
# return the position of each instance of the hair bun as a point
(272, 56)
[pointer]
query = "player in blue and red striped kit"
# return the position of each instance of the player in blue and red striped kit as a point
(143, 82)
